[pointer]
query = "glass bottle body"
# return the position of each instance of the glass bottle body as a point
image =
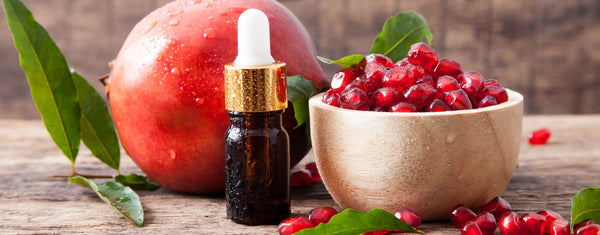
(257, 168)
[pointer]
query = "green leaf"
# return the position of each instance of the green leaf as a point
(299, 90)
(137, 182)
(399, 33)
(52, 88)
(345, 62)
(585, 205)
(119, 197)
(352, 222)
(97, 128)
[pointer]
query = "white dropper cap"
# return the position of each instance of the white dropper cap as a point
(254, 41)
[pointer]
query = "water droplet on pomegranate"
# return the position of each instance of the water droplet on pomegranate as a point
(211, 17)
(159, 58)
(209, 33)
(172, 154)
(175, 71)
(176, 12)
(450, 137)
(149, 27)
(199, 101)
(174, 22)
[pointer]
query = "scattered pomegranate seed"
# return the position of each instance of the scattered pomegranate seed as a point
(421, 54)
(438, 106)
(321, 215)
(398, 78)
(497, 206)
(403, 107)
(471, 228)
(509, 224)
(457, 100)
(531, 223)
(539, 137)
(385, 97)
(354, 98)
(409, 217)
(461, 215)
(341, 79)
(590, 229)
(331, 98)
(446, 67)
(314, 172)
(560, 227)
(420, 95)
(447, 83)
(487, 101)
(486, 222)
(549, 217)
(381, 59)
(292, 225)
(301, 178)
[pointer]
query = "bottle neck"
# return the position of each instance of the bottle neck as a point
(255, 120)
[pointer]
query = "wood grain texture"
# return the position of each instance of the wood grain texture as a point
(547, 49)
(547, 178)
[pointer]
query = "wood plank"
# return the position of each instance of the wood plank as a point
(547, 177)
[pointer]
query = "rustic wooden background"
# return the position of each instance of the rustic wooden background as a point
(547, 49)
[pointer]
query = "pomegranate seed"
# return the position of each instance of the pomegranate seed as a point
(421, 54)
(549, 217)
(438, 106)
(560, 227)
(341, 79)
(409, 217)
(457, 100)
(321, 215)
(486, 222)
(420, 95)
(509, 224)
(491, 82)
(292, 225)
(314, 172)
(590, 229)
(378, 232)
(402, 63)
(531, 223)
(403, 107)
(354, 98)
(471, 228)
(373, 76)
(539, 137)
(461, 215)
(380, 109)
(471, 82)
(487, 101)
(446, 67)
(381, 59)
(417, 71)
(358, 84)
(301, 178)
(582, 223)
(497, 206)
(331, 98)
(495, 91)
(427, 80)
(398, 78)
(385, 97)
(447, 83)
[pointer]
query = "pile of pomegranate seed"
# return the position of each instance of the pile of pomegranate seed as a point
(539, 137)
(323, 215)
(418, 83)
(498, 214)
(305, 176)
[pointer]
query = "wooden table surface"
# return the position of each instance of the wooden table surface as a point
(547, 177)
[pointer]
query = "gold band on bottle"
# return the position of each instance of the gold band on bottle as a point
(255, 88)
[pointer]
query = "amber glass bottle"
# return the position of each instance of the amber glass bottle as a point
(257, 158)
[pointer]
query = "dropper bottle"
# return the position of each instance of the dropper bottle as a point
(257, 158)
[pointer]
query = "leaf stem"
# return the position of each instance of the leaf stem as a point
(82, 175)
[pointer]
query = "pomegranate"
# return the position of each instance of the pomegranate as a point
(166, 88)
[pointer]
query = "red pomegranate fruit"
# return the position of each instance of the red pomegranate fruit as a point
(166, 87)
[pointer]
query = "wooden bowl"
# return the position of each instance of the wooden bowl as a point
(427, 162)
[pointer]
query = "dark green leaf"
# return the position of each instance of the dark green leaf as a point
(353, 222)
(345, 62)
(399, 33)
(97, 128)
(52, 88)
(120, 197)
(586, 205)
(299, 90)
(137, 182)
